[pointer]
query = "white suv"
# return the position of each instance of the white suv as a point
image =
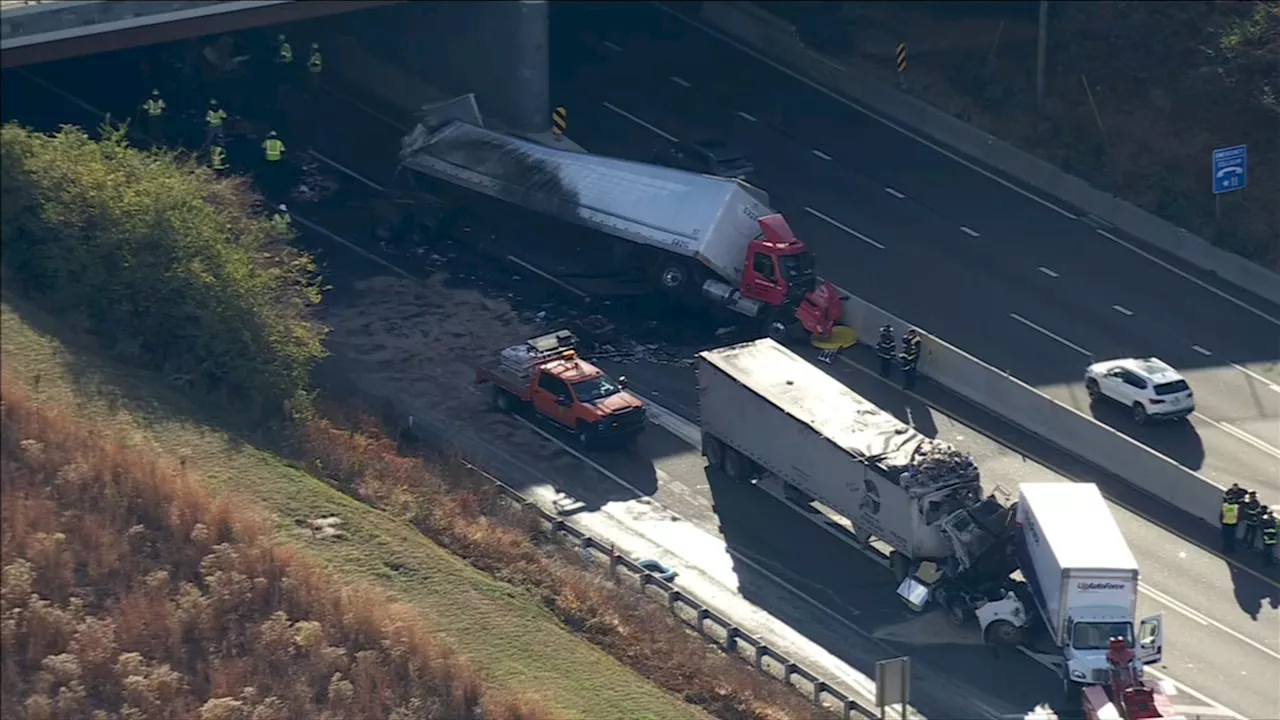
(1148, 386)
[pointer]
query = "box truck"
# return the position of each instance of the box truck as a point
(1083, 577)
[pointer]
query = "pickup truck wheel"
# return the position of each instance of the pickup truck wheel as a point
(713, 451)
(735, 465)
(1095, 393)
(1003, 632)
(584, 435)
(503, 400)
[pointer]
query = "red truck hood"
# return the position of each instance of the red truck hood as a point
(617, 402)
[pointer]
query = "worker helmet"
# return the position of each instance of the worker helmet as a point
(155, 92)
(315, 46)
(912, 332)
(280, 37)
(886, 328)
(281, 207)
(1253, 493)
(213, 103)
(271, 134)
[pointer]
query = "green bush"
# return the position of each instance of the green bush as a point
(167, 265)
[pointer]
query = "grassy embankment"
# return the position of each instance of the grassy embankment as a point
(509, 639)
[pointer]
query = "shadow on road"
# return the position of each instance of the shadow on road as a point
(1177, 440)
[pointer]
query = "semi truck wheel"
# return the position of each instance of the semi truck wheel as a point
(900, 565)
(712, 450)
(673, 278)
(1003, 632)
(735, 465)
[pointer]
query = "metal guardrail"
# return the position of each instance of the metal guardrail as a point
(732, 639)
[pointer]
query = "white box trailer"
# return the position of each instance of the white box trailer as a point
(1083, 577)
(768, 414)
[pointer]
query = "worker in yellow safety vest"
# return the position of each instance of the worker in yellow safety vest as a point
(218, 158)
(154, 107)
(281, 222)
(273, 153)
(214, 117)
(284, 52)
(1230, 521)
(273, 148)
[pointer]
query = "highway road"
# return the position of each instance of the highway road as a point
(1009, 277)
(1223, 623)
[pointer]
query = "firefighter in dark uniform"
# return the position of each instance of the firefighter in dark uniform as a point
(1230, 518)
(1268, 526)
(1252, 511)
(885, 348)
(1236, 493)
(218, 158)
(154, 107)
(909, 358)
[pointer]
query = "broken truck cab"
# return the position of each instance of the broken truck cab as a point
(699, 239)
(546, 374)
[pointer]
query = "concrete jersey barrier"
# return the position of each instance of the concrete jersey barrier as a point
(775, 38)
(1023, 405)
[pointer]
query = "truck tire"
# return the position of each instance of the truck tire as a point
(736, 465)
(1003, 632)
(900, 565)
(585, 436)
(673, 278)
(503, 400)
(713, 451)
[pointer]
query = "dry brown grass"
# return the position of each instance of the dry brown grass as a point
(462, 511)
(128, 593)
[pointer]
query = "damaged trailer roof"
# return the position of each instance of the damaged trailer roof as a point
(808, 394)
(672, 209)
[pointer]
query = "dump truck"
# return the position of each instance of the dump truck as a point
(545, 374)
(700, 240)
(915, 504)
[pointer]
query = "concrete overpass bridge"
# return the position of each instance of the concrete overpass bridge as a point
(497, 50)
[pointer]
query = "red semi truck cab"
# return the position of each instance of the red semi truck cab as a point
(778, 271)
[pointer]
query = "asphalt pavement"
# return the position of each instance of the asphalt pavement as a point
(1012, 278)
(1213, 608)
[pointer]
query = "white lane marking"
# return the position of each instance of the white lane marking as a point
(639, 122)
(611, 46)
(745, 116)
(1224, 295)
(822, 155)
(1201, 350)
(1048, 272)
(1206, 620)
(358, 250)
(680, 81)
(968, 231)
(894, 193)
(548, 276)
(1048, 334)
(1240, 435)
(1265, 381)
(878, 118)
(347, 170)
(843, 227)
(1122, 310)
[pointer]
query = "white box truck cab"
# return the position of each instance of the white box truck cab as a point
(1083, 577)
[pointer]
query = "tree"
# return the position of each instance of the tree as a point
(167, 265)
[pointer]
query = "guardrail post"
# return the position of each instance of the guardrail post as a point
(613, 562)
(788, 669)
(702, 620)
(761, 651)
(731, 639)
(846, 709)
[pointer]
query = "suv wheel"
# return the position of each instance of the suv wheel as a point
(1140, 414)
(1095, 393)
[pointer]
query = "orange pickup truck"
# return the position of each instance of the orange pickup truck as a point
(545, 373)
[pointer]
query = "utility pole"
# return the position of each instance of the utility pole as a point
(1043, 40)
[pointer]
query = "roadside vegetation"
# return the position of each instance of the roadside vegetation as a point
(114, 429)
(128, 593)
(1138, 94)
